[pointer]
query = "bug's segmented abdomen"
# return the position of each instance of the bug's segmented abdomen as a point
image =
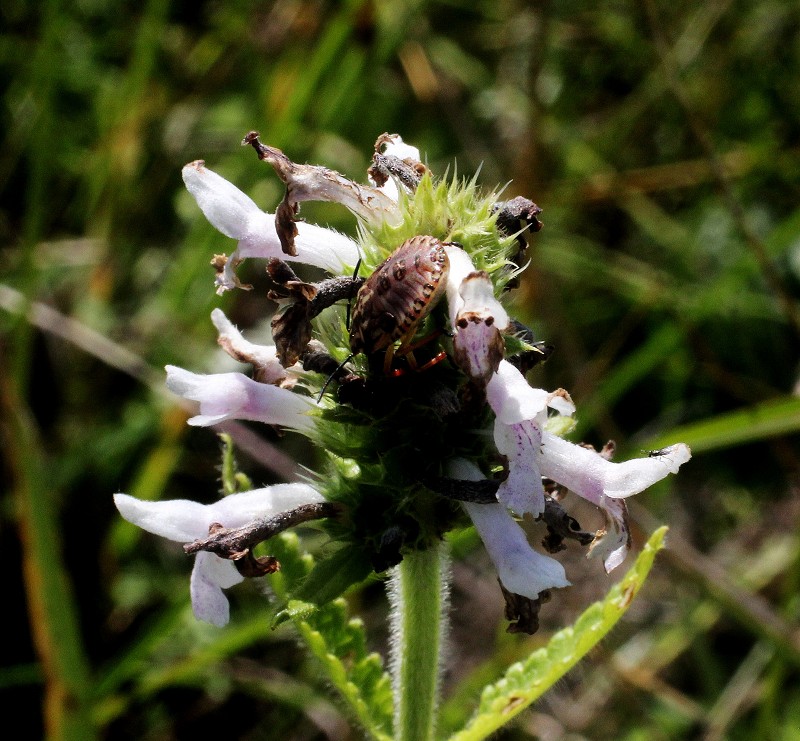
(399, 294)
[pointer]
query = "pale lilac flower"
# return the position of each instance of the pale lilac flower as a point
(235, 396)
(520, 411)
(237, 216)
(477, 318)
(521, 569)
(589, 474)
(605, 484)
(522, 491)
(532, 452)
(183, 521)
(512, 398)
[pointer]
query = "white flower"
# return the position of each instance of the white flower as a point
(393, 144)
(235, 396)
(606, 484)
(512, 399)
(587, 473)
(475, 299)
(477, 318)
(238, 217)
(522, 491)
(520, 410)
(521, 569)
(520, 434)
(184, 521)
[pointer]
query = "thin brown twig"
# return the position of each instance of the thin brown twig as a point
(234, 543)
(92, 342)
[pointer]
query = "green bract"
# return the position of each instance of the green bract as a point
(397, 432)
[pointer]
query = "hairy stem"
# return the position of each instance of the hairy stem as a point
(418, 594)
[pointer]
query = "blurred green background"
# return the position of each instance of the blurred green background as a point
(662, 141)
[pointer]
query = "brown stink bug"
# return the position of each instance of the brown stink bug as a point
(401, 292)
(393, 301)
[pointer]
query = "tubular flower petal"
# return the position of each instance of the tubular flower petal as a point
(591, 476)
(323, 248)
(224, 205)
(394, 145)
(235, 396)
(461, 266)
(518, 436)
(478, 344)
(521, 569)
(613, 543)
(235, 215)
(210, 575)
(182, 520)
(605, 484)
(478, 294)
(522, 491)
(178, 519)
(511, 398)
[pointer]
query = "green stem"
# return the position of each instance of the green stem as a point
(419, 595)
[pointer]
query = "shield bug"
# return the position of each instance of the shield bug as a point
(394, 300)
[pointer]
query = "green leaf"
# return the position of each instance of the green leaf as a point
(769, 419)
(332, 576)
(337, 642)
(528, 680)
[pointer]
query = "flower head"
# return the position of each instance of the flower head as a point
(405, 367)
(184, 521)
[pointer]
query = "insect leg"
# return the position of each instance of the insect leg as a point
(387, 361)
(435, 360)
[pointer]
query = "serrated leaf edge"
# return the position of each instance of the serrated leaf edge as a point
(526, 681)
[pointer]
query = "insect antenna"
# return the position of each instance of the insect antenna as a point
(334, 374)
(350, 297)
